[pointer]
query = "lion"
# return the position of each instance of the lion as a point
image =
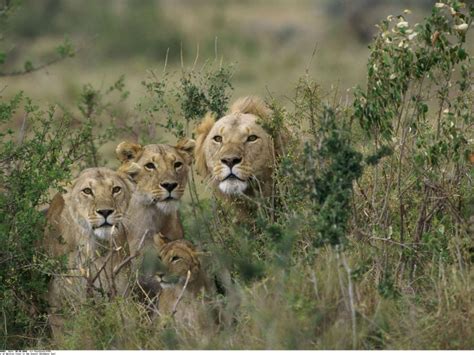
(85, 225)
(236, 153)
(160, 172)
(183, 281)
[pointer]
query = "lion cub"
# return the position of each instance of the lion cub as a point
(182, 279)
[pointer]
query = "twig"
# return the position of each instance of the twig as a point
(197, 56)
(129, 258)
(166, 61)
(22, 133)
(392, 241)
(24, 72)
(109, 255)
(151, 301)
(351, 300)
(188, 276)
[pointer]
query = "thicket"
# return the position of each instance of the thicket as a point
(364, 244)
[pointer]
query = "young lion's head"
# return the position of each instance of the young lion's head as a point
(159, 170)
(178, 258)
(235, 152)
(97, 199)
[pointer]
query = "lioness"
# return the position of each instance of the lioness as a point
(235, 152)
(182, 279)
(160, 172)
(85, 225)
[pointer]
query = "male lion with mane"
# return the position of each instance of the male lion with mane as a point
(236, 153)
(85, 224)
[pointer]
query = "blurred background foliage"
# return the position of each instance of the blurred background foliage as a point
(269, 42)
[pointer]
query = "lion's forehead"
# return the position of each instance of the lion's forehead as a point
(159, 153)
(181, 248)
(99, 181)
(237, 125)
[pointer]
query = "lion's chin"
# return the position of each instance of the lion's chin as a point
(105, 232)
(168, 207)
(233, 187)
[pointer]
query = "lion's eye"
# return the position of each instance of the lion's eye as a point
(217, 139)
(175, 259)
(252, 138)
(87, 191)
(116, 189)
(150, 166)
(178, 164)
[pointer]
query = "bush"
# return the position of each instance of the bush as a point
(32, 161)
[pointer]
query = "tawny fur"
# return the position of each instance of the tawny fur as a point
(74, 230)
(179, 258)
(149, 211)
(258, 157)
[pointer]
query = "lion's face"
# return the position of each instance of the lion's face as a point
(160, 171)
(97, 199)
(177, 259)
(235, 151)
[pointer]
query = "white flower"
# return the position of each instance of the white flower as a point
(407, 11)
(393, 76)
(440, 5)
(402, 24)
(403, 44)
(462, 27)
(413, 35)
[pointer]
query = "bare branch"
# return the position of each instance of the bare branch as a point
(181, 294)
(131, 257)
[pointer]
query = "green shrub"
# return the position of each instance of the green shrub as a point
(32, 161)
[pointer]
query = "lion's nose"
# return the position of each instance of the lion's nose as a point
(169, 186)
(231, 161)
(105, 213)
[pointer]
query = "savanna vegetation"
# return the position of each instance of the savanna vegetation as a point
(365, 243)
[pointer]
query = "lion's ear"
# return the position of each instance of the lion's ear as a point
(186, 146)
(128, 151)
(127, 179)
(159, 241)
(202, 132)
(66, 186)
(130, 169)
